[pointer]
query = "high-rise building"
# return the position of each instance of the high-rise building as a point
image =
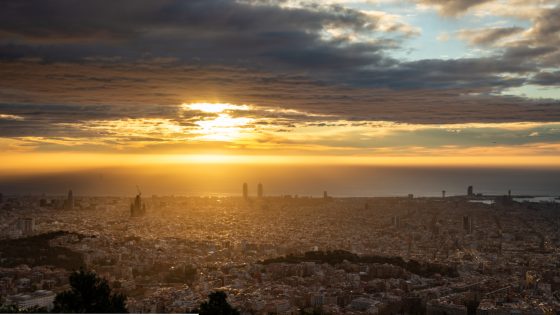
(443, 194)
(245, 191)
(470, 191)
(26, 226)
(260, 190)
(137, 207)
(69, 203)
(1, 198)
(325, 195)
(39, 299)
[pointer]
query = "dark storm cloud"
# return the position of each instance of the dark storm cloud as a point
(107, 19)
(547, 78)
(482, 73)
(109, 60)
(51, 120)
(254, 35)
(71, 113)
(208, 31)
(158, 96)
(522, 51)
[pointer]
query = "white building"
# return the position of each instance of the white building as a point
(39, 298)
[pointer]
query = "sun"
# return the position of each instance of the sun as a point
(223, 126)
(214, 107)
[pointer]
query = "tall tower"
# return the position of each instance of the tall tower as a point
(470, 191)
(260, 190)
(245, 191)
(137, 207)
(70, 200)
(443, 194)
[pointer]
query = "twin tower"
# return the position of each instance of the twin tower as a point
(246, 191)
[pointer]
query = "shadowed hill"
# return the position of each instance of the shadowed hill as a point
(36, 251)
(425, 269)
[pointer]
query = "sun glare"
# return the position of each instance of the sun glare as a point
(222, 127)
(214, 107)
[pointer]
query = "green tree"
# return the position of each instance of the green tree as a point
(89, 294)
(216, 305)
(315, 311)
(472, 301)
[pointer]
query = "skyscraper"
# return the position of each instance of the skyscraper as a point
(137, 207)
(470, 191)
(443, 194)
(260, 190)
(245, 191)
(69, 204)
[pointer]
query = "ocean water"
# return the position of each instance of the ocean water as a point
(303, 180)
(538, 199)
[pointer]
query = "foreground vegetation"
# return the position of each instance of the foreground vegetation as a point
(425, 269)
(36, 251)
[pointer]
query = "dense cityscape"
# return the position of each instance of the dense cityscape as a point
(470, 254)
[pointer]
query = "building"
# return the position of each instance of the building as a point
(396, 222)
(137, 208)
(69, 203)
(325, 195)
(39, 298)
(260, 190)
(26, 226)
(245, 191)
(470, 191)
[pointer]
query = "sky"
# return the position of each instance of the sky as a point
(427, 83)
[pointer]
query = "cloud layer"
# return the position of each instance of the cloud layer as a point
(75, 69)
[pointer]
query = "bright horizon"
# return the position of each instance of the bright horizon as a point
(243, 134)
(278, 84)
